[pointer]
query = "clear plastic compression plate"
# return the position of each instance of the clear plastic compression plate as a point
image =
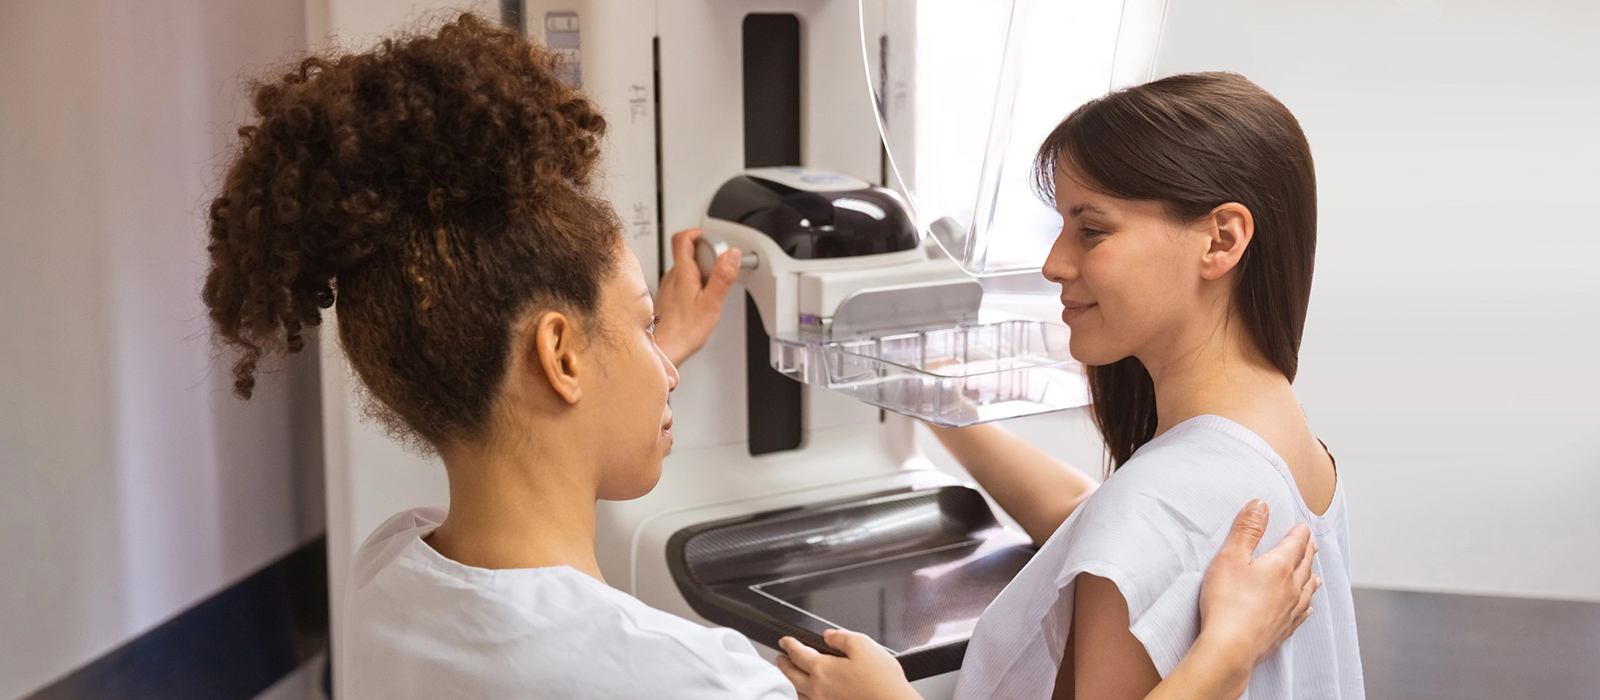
(948, 376)
(965, 92)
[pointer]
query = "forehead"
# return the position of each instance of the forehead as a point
(1073, 197)
(629, 276)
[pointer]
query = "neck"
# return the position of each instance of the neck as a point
(517, 504)
(1216, 370)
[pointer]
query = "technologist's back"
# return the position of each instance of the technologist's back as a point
(419, 625)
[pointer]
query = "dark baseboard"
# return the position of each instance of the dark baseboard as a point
(231, 646)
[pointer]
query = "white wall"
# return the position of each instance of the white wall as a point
(132, 483)
(1452, 353)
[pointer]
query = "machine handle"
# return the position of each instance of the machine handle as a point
(709, 246)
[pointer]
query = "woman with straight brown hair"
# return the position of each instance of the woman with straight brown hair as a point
(1189, 216)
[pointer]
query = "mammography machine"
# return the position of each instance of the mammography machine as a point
(795, 499)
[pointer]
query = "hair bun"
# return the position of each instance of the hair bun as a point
(434, 187)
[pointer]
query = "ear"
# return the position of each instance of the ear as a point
(555, 355)
(1230, 228)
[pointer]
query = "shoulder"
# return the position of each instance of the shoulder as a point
(1191, 479)
(1160, 518)
(390, 541)
(631, 649)
(545, 630)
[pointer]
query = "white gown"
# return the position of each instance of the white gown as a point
(1152, 529)
(418, 625)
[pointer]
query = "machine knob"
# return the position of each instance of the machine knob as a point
(708, 247)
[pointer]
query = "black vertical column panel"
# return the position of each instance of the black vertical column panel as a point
(661, 204)
(512, 14)
(771, 137)
(771, 90)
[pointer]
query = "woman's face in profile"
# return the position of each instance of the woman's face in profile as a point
(629, 419)
(1129, 276)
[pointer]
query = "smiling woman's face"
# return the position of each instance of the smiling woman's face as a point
(1129, 275)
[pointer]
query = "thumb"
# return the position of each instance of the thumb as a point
(1248, 527)
(722, 276)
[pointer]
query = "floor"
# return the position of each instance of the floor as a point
(1437, 646)
(1414, 646)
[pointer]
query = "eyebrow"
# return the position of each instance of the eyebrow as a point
(1081, 208)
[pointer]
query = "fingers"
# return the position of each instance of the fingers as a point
(1302, 570)
(846, 641)
(1302, 607)
(1300, 619)
(1248, 527)
(1290, 550)
(798, 678)
(1307, 591)
(803, 657)
(683, 246)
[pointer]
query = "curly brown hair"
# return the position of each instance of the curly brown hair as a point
(437, 186)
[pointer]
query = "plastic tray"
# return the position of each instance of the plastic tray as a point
(949, 376)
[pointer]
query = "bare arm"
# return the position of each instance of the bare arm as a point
(1034, 488)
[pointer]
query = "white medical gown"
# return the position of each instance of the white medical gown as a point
(419, 625)
(1152, 529)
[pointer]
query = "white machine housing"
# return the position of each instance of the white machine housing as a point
(799, 296)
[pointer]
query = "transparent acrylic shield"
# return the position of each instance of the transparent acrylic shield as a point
(966, 91)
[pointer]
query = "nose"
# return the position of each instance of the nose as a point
(1061, 265)
(672, 371)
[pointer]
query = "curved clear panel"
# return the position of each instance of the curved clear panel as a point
(966, 90)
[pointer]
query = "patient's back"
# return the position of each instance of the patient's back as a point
(1152, 529)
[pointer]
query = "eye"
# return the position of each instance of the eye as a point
(651, 329)
(1091, 233)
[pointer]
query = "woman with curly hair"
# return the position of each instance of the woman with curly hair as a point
(436, 191)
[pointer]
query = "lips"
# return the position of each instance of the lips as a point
(1071, 310)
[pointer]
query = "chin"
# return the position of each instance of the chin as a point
(634, 485)
(1085, 351)
(1092, 354)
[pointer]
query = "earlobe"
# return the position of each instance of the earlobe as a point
(1231, 228)
(556, 357)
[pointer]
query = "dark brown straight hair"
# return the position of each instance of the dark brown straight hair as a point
(1193, 142)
